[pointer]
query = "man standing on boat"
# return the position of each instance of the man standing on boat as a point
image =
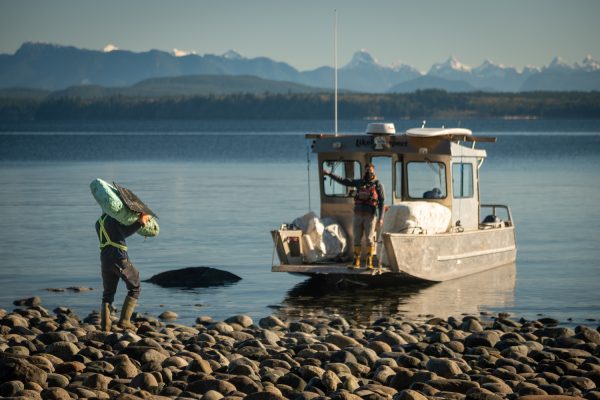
(368, 204)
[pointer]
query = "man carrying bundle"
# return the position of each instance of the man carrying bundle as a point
(116, 265)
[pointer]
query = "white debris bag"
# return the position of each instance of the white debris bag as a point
(322, 239)
(417, 217)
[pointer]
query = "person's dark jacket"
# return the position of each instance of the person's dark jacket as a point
(117, 232)
(364, 208)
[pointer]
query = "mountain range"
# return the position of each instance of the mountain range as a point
(56, 67)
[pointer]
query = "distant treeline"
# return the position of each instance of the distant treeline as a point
(421, 104)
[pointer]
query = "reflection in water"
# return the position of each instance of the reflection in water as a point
(469, 295)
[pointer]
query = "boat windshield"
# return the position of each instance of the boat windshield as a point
(426, 180)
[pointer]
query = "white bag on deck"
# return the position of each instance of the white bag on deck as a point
(322, 239)
(417, 217)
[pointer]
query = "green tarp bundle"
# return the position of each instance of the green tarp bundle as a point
(108, 198)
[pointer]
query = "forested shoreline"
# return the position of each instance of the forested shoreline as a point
(420, 104)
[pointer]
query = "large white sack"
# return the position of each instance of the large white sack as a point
(322, 239)
(417, 217)
(308, 223)
(335, 240)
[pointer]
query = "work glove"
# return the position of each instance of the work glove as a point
(144, 218)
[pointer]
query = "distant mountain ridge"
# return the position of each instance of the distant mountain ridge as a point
(56, 67)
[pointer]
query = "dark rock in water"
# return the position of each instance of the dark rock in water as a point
(29, 302)
(194, 277)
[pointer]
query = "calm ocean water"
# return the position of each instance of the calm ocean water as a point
(220, 187)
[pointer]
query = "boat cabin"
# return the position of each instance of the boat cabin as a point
(424, 164)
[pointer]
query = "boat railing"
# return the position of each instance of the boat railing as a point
(508, 221)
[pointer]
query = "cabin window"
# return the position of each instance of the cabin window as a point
(383, 172)
(344, 169)
(398, 184)
(426, 180)
(462, 180)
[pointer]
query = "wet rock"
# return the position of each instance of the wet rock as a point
(578, 382)
(63, 350)
(264, 396)
(11, 388)
(471, 325)
(485, 338)
(330, 381)
(409, 394)
(97, 381)
(481, 394)
(144, 381)
(124, 367)
(69, 368)
(14, 369)
(57, 380)
(212, 395)
(168, 315)
(55, 393)
(271, 322)
(194, 277)
(243, 320)
(497, 387)
(341, 341)
(79, 289)
(443, 367)
(28, 302)
(391, 338)
(453, 385)
(528, 389)
(203, 386)
(301, 327)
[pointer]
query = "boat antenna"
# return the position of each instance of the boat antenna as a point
(308, 175)
(335, 73)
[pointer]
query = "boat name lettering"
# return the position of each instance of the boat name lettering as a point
(364, 142)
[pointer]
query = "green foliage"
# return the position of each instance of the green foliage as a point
(420, 104)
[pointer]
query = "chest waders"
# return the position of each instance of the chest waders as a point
(130, 302)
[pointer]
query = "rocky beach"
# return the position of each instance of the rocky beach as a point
(57, 355)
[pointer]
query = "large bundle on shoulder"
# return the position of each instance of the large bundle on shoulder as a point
(113, 203)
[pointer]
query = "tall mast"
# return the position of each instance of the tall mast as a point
(335, 75)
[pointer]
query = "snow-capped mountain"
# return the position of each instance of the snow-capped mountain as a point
(450, 66)
(560, 76)
(50, 66)
(588, 64)
(232, 55)
(362, 59)
(558, 64)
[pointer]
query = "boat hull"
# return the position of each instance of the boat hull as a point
(434, 258)
(449, 256)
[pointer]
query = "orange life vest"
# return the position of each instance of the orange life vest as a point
(367, 194)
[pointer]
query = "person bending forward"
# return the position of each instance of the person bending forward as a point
(115, 265)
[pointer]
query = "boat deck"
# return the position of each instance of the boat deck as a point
(326, 269)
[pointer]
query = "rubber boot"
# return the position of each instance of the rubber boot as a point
(105, 322)
(126, 311)
(370, 257)
(356, 261)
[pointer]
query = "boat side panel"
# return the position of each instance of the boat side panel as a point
(448, 256)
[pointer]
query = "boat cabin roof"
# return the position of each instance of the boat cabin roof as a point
(439, 141)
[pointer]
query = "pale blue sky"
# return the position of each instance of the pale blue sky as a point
(419, 33)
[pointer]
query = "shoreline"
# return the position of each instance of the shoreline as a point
(58, 355)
